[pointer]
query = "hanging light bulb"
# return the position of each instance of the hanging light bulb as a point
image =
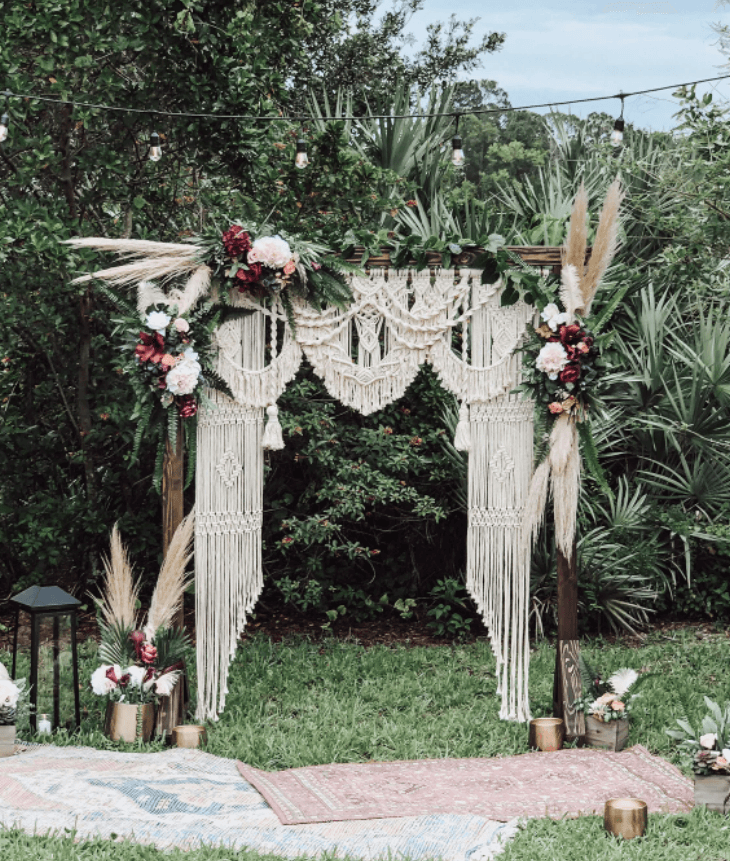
(5, 119)
(457, 151)
(617, 135)
(155, 148)
(302, 159)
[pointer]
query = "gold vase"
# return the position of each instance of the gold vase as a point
(547, 733)
(7, 740)
(625, 817)
(188, 735)
(122, 722)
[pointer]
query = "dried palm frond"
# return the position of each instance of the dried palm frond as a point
(197, 286)
(574, 250)
(148, 269)
(149, 294)
(167, 599)
(136, 247)
(605, 245)
(118, 602)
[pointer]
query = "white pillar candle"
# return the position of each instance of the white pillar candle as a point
(44, 726)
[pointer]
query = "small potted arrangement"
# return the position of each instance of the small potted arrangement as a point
(13, 706)
(710, 750)
(607, 706)
(140, 663)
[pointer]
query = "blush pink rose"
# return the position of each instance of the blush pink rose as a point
(290, 267)
(181, 325)
(555, 408)
(272, 251)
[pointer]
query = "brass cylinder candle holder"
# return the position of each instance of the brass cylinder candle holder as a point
(188, 735)
(547, 733)
(625, 817)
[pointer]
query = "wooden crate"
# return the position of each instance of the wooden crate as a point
(713, 792)
(609, 736)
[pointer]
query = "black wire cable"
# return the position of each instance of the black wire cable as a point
(254, 118)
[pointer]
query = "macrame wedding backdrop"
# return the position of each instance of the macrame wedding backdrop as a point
(367, 353)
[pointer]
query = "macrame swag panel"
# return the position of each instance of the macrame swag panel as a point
(367, 355)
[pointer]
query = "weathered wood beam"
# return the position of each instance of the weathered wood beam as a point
(533, 255)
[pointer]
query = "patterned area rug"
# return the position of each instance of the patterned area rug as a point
(564, 783)
(187, 798)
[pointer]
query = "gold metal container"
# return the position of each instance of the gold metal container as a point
(188, 735)
(625, 817)
(122, 724)
(547, 733)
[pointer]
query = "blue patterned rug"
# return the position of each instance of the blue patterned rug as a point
(188, 798)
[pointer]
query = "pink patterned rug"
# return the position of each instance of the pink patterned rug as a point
(564, 783)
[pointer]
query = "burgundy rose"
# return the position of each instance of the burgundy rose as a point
(148, 653)
(236, 241)
(112, 676)
(570, 334)
(187, 406)
(151, 348)
(124, 681)
(149, 672)
(250, 275)
(588, 341)
(570, 373)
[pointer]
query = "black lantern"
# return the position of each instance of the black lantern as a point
(50, 602)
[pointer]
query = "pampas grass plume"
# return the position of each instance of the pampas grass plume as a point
(574, 250)
(605, 245)
(118, 603)
(167, 599)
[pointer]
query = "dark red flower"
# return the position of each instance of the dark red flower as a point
(149, 672)
(137, 638)
(316, 266)
(148, 653)
(570, 334)
(151, 349)
(236, 241)
(124, 681)
(187, 406)
(250, 275)
(112, 676)
(162, 382)
(588, 341)
(570, 373)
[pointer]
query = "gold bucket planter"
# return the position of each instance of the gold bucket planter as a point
(625, 817)
(128, 722)
(7, 740)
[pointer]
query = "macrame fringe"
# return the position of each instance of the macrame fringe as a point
(462, 437)
(272, 440)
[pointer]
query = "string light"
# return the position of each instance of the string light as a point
(617, 135)
(457, 151)
(302, 159)
(155, 148)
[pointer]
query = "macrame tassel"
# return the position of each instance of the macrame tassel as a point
(462, 437)
(272, 439)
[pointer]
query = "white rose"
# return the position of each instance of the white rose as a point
(191, 354)
(708, 740)
(551, 359)
(101, 685)
(158, 321)
(550, 311)
(183, 378)
(9, 693)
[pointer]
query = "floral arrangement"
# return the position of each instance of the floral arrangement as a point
(169, 358)
(607, 700)
(13, 699)
(142, 662)
(254, 259)
(710, 748)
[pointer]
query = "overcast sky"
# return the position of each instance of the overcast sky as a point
(557, 50)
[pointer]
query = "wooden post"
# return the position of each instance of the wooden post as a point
(567, 681)
(171, 711)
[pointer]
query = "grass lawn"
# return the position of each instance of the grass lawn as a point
(305, 703)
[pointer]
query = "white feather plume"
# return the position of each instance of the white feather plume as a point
(149, 294)
(622, 680)
(570, 293)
